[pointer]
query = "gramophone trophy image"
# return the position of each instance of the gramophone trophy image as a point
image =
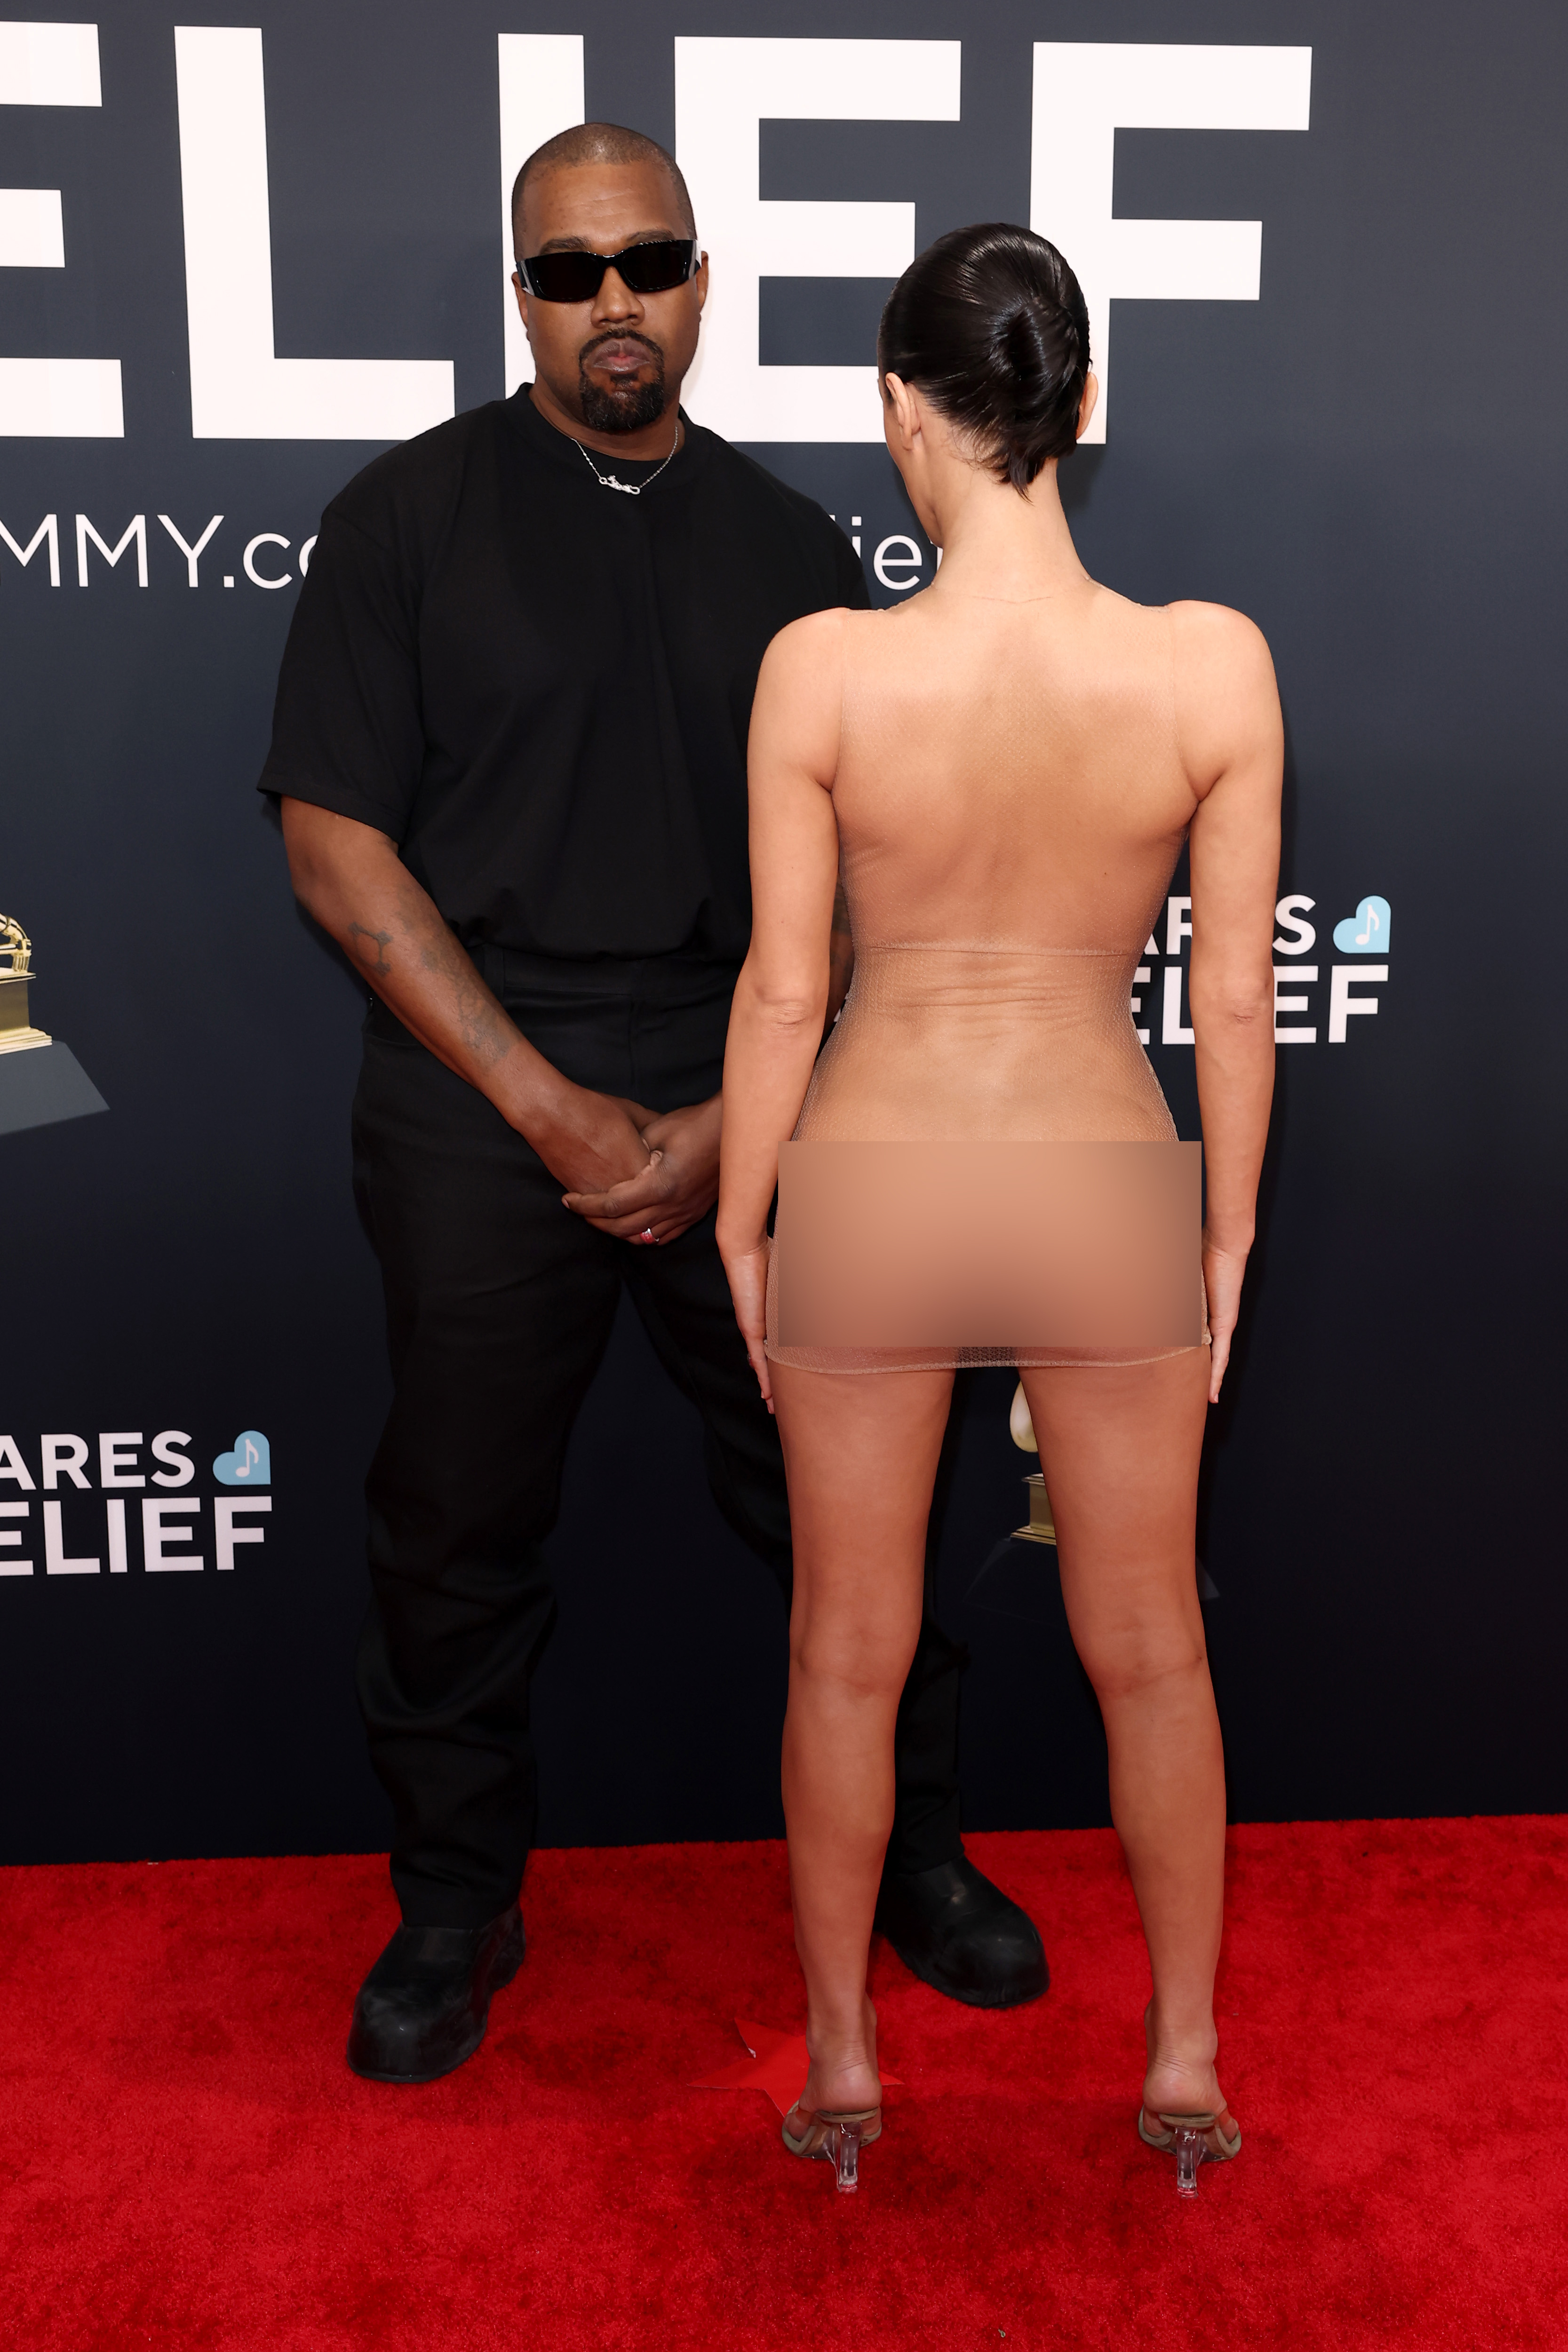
(41, 1081)
(16, 1033)
(1042, 1527)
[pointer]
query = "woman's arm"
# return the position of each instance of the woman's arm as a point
(780, 997)
(1232, 740)
(840, 955)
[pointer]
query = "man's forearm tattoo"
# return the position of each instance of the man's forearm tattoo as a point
(475, 1009)
(380, 940)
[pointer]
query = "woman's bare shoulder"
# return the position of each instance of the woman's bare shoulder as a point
(804, 643)
(800, 693)
(1221, 644)
(1228, 703)
(821, 644)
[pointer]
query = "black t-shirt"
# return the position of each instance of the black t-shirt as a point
(541, 688)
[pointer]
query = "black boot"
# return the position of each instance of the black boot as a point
(963, 1935)
(424, 2007)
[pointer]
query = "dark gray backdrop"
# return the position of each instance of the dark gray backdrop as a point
(1366, 460)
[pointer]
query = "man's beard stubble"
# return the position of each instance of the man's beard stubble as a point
(633, 407)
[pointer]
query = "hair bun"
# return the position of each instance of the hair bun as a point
(1025, 353)
(991, 323)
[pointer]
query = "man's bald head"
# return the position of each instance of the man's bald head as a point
(599, 143)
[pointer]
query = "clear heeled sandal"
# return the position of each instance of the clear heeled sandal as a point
(835, 2137)
(1214, 2137)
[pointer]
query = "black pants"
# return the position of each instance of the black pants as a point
(499, 1304)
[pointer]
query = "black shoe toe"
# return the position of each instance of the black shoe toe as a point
(962, 1935)
(424, 2007)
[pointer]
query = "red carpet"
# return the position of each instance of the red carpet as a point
(188, 2163)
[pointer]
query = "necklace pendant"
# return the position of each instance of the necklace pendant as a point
(628, 489)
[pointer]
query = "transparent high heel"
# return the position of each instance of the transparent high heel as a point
(1189, 2138)
(835, 2137)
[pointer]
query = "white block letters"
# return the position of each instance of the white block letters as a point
(50, 64)
(169, 1534)
(1085, 92)
(56, 1562)
(48, 534)
(1302, 975)
(1171, 1030)
(134, 535)
(12, 1540)
(226, 1509)
(192, 554)
(1342, 978)
(723, 90)
(156, 1534)
(63, 1456)
(240, 390)
(725, 87)
(32, 229)
(540, 93)
(266, 579)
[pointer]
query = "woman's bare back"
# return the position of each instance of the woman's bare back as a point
(1011, 800)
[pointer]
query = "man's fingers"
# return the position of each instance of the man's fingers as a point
(633, 1196)
(640, 1225)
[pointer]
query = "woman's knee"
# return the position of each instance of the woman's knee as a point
(1125, 1662)
(864, 1661)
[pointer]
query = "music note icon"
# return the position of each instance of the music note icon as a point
(1366, 931)
(249, 1465)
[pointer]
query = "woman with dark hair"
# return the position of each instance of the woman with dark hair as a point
(1003, 771)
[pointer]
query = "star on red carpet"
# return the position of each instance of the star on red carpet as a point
(778, 2065)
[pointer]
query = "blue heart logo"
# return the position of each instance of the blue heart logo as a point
(1366, 931)
(250, 1464)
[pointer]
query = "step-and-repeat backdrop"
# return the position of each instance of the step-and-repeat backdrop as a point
(1322, 247)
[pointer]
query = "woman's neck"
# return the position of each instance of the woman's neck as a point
(995, 543)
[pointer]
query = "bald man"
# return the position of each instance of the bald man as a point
(510, 746)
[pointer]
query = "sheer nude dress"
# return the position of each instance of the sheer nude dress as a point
(1011, 800)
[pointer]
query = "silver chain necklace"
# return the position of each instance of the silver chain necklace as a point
(632, 489)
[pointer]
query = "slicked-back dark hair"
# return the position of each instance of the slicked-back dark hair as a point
(600, 142)
(991, 325)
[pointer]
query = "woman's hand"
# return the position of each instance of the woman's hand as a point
(748, 1273)
(1223, 1272)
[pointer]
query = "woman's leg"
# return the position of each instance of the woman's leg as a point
(861, 1450)
(1119, 1450)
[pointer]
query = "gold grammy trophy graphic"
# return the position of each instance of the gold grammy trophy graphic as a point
(1042, 1527)
(36, 1089)
(16, 1032)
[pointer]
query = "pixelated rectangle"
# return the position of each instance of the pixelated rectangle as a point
(1091, 1246)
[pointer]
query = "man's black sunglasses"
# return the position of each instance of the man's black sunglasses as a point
(576, 276)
